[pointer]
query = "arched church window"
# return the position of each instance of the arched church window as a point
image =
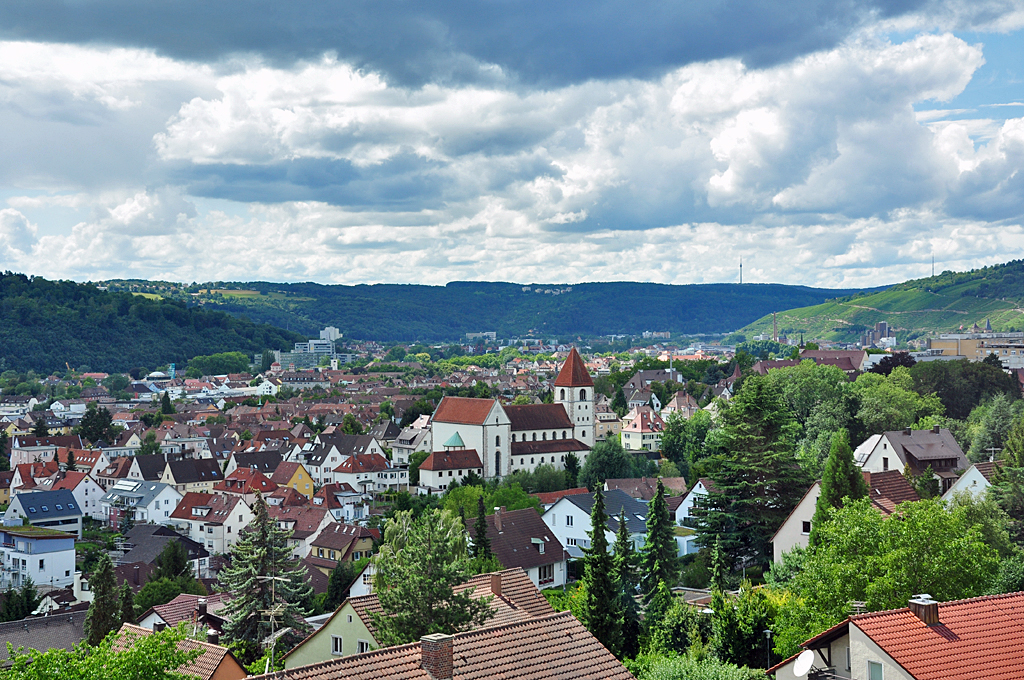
(544, 436)
(497, 440)
(561, 394)
(534, 436)
(583, 395)
(563, 434)
(513, 438)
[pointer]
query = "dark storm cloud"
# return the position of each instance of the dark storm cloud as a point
(538, 41)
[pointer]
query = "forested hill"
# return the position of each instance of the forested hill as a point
(44, 324)
(937, 304)
(430, 313)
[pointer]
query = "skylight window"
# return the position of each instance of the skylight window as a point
(31, 509)
(60, 507)
(45, 509)
(71, 506)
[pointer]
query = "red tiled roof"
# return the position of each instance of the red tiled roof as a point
(976, 638)
(289, 496)
(462, 410)
(303, 520)
(456, 459)
(220, 507)
(70, 481)
(212, 660)
(551, 497)
(574, 372)
(987, 469)
(889, 489)
(538, 417)
(246, 480)
(363, 462)
(185, 605)
(284, 472)
(543, 648)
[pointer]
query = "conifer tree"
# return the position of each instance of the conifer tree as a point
(262, 577)
(127, 603)
(172, 562)
(72, 467)
(659, 561)
(5, 461)
(41, 430)
(104, 613)
(166, 406)
(841, 479)
(600, 608)
(481, 543)
(627, 575)
(572, 470)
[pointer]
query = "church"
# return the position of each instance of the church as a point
(511, 438)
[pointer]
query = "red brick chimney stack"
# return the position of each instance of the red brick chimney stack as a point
(436, 655)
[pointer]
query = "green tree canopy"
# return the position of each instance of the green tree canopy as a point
(962, 385)
(659, 563)
(842, 480)
(600, 609)
(104, 614)
(891, 403)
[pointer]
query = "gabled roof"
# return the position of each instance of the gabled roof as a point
(462, 410)
(264, 461)
(889, 489)
(549, 446)
(288, 496)
(245, 481)
(59, 631)
(538, 417)
(645, 488)
(348, 444)
(574, 372)
(151, 467)
(212, 508)
(458, 459)
(149, 540)
(185, 605)
(304, 521)
(39, 505)
(615, 501)
(926, 445)
(364, 462)
(191, 471)
(515, 544)
(338, 536)
(213, 660)
(71, 480)
(987, 469)
(284, 472)
(543, 648)
(549, 497)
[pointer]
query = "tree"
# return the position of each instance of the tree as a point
(925, 484)
(71, 465)
(481, 542)
(150, 445)
(619, 403)
(163, 590)
(1007, 488)
(5, 460)
(962, 385)
(166, 407)
(993, 429)
(842, 480)
(342, 577)
(891, 361)
(127, 522)
(572, 470)
(20, 603)
(420, 564)
(627, 576)
(738, 627)
(351, 425)
(96, 424)
(415, 460)
(600, 608)
(172, 562)
(40, 429)
(756, 479)
(659, 563)
(104, 615)
(262, 576)
(606, 460)
(126, 655)
(127, 602)
(891, 403)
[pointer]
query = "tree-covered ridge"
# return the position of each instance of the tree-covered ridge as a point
(44, 324)
(429, 313)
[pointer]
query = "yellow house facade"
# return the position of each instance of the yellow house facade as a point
(294, 476)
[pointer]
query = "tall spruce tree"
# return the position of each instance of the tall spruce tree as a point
(5, 460)
(572, 470)
(756, 478)
(841, 479)
(600, 609)
(481, 543)
(659, 561)
(166, 407)
(627, 576)
(127, 603)
(262, 577)
(104, 613)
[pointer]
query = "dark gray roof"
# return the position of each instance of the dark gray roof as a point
(614, 502)
(149, 540)
(264, 461)
(151, 467)
(348, 444)
(385, 430)
(58, 631)
(201, 470)
(48, 504)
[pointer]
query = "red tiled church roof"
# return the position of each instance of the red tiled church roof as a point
(457, 459)
(574, 372)
(463, 410)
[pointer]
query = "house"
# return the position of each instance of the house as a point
(145, 542)
(50, 509)
(46, 556)
(213, 520)
(343, 502)
(549, 498)
(684, 516)
(293, 475)
(916, 449)
(350, 629)
(338, 542)
(213, 663)
(885, 489)
(305, 522)
(441, 468)
(202, 610)
(320, 461)
(643, 430)
(192, 476)
(30, 449)
(245, 482)
(43, 632)
(645, 488)
(926, 640)
(364, 471)
(148, 468)
(976, 480)
(146, 501)
(409, 441)
(607, 423)
(5, 485)
(555, 646)
(643, 379)
(569, 519)
(85, 490)
(540, 434)
(264, 461)
(520, 538)
(385, 431)
(857, 359)
(682, 403)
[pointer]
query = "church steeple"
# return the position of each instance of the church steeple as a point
(574, 372)
(574, 390)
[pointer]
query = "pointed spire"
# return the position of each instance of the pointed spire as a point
(574, 373)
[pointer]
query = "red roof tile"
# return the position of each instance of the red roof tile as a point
(551, 497)
(462, 410)
(456, 459)
(538, 417)
(363, 462)
(574, 372)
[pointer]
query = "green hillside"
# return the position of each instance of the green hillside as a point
(44, 324)
(391, 312)
(937, 304)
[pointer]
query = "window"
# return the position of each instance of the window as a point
(60, 507)
(806, 528)
(546, 574)
(583, 395)
(497, 440)
(350, 618)
(336, 645)
(209, 530)
(364, 646)
(847, 658)
(885, 464)
(568, 520)
(513, 438)
(42, 565)
(67, 572)
(563, 434)
(570, 541)
(534, 436)
(45, 509)
(561, 394)
(875, 671)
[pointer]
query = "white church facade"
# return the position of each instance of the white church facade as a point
(511, 438)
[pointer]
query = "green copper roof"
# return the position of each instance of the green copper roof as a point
(455, 442)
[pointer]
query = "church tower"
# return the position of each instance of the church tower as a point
(574, 390)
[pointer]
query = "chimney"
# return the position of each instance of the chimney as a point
(925, 608)
(213, 636)
(935, 429)
(135, 574)
(436, 655)
(496, 584)
(202, 606)
(497, 518)
(906, 430)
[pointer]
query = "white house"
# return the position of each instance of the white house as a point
(684, 514)
(441, 468)
(408, 442)
(46, 556)
(917, 449)
(569, 519)
(48, 509)
(149, 502)
(976, 480)
(213, 520)
(85, 490)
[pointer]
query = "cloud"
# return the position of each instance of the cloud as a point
(16, 233)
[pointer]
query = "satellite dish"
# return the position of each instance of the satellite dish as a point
(803, 663)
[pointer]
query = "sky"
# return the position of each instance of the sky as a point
(834, 143)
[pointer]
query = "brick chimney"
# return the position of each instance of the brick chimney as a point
(213, 636)
(497, 517)
(496, 584)
(925, 608)
(436, 655)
